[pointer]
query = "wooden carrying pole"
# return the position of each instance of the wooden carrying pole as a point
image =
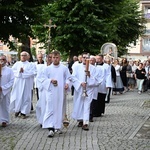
(86, 70)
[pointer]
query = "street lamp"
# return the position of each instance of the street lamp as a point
(49, 35)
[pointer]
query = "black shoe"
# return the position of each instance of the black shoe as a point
(91, 120)
(97, 115)
(32, 108)
(17, 114)
(23, 116)
(85, 127)
(80, 124)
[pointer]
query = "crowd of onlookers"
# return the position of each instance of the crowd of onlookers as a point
(131, 74)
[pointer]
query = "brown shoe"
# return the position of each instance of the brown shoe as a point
(85, 127)
(80, 124)
(4, 124)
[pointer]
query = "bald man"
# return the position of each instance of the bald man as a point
(20, 101)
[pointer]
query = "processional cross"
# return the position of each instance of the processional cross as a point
(49, 35)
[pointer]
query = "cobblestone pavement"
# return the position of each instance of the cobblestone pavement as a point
(124, 126)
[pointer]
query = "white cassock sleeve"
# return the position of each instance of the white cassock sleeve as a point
(46, 81)
(108, 76)
(99, 76)
(95, 77)
(29, 71)
(75, 82)
(16, 70)
(7, 87)
(68, 78)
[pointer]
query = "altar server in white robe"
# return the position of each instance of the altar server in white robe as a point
(20, 101)
(81, 102)
(102, 89)
(40, 62)
(33, 66)
(56, 83)
(41, 103)
(100, 77)
(6, 82)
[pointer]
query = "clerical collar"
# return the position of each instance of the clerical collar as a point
(100, 64)
(41, 62)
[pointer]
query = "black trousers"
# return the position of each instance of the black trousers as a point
(72, 90)
(92, 108)
(31, 99)
(101, 103)
(98, 106)
(37, 94)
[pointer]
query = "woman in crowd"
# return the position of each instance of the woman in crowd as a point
(118, 87)
(123, 74)
(132, 81)
(130, 76)
(140, 76)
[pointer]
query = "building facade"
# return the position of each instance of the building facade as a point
(142, 49)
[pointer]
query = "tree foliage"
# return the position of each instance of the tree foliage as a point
(85, 25)
(82, 25)
(17, 18)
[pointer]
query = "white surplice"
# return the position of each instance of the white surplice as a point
(107, 81)
(21, 92)
(100, 76)
(38, 68)
(33, 66)
(6, 82)
(41, 103)
(55, 95)
(81, 104)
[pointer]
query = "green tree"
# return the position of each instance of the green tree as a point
(17, 18)
(82, 25)
(33, 51)
(85, 25)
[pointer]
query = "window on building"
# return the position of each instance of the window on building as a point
(146, 45)
(147, 12)
(147, 32)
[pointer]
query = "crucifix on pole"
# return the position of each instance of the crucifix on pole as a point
(49, 34)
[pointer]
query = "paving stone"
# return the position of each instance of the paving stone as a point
(124, 126)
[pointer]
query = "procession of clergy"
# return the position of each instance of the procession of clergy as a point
(90, 78)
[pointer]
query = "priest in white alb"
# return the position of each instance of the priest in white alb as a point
(6, 82)
(20, 101)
